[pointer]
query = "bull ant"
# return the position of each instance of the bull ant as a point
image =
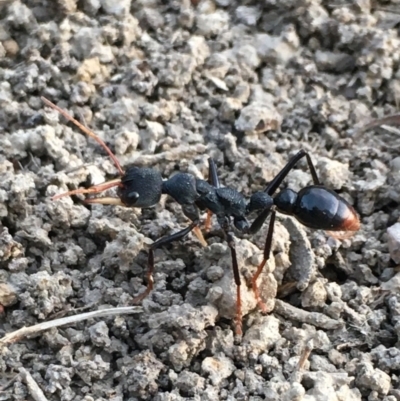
(314, 206)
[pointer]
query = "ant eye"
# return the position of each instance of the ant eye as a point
(134, 196)
(128, 198)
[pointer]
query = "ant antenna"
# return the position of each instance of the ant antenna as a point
(87, 132)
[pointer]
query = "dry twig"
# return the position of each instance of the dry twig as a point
(300, 315)
(34, 390)
(387, 120)
(38, 328)
(297, 374)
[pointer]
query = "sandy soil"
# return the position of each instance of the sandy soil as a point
(168, 84)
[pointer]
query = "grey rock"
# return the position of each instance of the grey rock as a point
(99, 335)
(212, 24)
(217, 368)
(92, 370)
(118, 9)
(8, 295)
(190, 383)
(373, 379)
(262, 335)
(258, 118)
(315, 295)
(141, 372)
(394, 241)
(277, 50)
(248, 15)
(59, 377)
(333, 174)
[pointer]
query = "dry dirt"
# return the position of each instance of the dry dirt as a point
(168, 84)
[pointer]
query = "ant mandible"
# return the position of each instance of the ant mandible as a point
(314, 206)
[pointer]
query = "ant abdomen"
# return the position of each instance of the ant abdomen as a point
(318, 207)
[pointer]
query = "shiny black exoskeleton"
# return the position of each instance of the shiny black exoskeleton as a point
(319, 208)
(314, 206)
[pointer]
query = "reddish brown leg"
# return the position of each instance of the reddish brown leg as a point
(207, 224)
(96, 188)
(267, 251)
(238, 317)
(150, 279)
(92, 190)
(87, 132)
(199, 235)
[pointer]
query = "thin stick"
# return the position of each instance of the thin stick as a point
(87, 132)
(38, 328)
(9, 384)
(393, 119)
(299, 315)
(34, 390)
(298, 372)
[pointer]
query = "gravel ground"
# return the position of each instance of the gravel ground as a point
(167, 84)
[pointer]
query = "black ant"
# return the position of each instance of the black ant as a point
(314, 206)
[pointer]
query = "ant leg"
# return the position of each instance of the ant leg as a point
(236, 275)
(224, 223)
(150, 262)
(92, 190)
(259, 221)
(277, 181)
(197, 232)
(213, 174)
(192, 212)
(267, 251)
(87, 132)
(274, 184)
(207, 224)
(213, 179)
(96, 188)
(105, 201)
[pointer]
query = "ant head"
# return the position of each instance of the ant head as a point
(285, 201)
(140, 187)
(259, 201)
